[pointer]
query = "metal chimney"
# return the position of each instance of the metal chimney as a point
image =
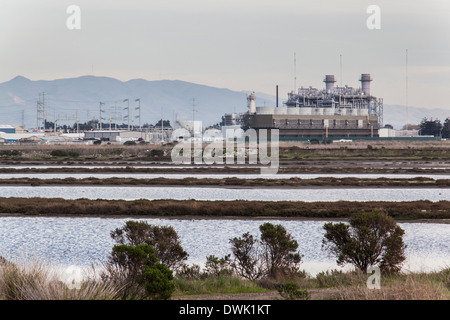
(365, 83)
(251, 103)
(277, 96)
(329, 82)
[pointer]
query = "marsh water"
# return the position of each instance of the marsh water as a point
(84, 241)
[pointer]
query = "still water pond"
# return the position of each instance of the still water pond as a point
(220, 193)
(83, 241)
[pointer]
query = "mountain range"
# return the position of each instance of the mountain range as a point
(68, 99)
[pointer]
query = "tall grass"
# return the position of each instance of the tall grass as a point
(410, 286)
(36, 281)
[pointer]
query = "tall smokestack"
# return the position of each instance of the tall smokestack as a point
(329, 82)
(251, 103)
(277, 96)
(365, 83)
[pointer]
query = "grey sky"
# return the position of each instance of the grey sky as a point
(240, 45)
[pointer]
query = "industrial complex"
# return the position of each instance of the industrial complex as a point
(330, 112)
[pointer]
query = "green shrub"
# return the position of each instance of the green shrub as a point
(289, 291)
(218, 266)
(156, 153)
(138, 273)
(64, 153)
(164, 239)
(274, 255)
(370, 239)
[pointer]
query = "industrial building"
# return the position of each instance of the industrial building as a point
(332, 112)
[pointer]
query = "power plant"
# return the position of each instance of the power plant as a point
(330, 112)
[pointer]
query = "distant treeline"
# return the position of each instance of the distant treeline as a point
(435, 128)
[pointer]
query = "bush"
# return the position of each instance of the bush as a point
(247, 257)
(333, 278)
(279, 250)
(215, 266)
(64, 153)
(164, 239)
(272, 256)
(371, 239)
(156, 153)
(139, 274)
(10, 153)
(289, 291)
(129, 143)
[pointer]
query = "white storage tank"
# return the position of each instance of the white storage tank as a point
(265, 110)
(293, 111)
(305, 111)
(281, 110)
(342, 111)
(328, 111)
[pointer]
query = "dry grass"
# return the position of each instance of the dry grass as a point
(36, 281)
(413, 286)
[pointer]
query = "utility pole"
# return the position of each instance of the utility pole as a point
(406, 93)
(295, 72)
(40, 115)
(128, 116)
(193, 116)
(100, 118)
(43, 109)
(76, 117)
(38, 110)
(162, 125)
(139, 108)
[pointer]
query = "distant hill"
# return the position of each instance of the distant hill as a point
(173, 98)
(397, 115)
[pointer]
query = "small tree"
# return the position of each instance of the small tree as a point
(370, 239)
(273, 255)
(247, 257)
(138, 273)
(164, 239)
(280, 250)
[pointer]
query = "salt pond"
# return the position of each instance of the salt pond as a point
(229, 193)
(84, 241)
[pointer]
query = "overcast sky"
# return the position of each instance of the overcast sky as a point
(241, 45)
